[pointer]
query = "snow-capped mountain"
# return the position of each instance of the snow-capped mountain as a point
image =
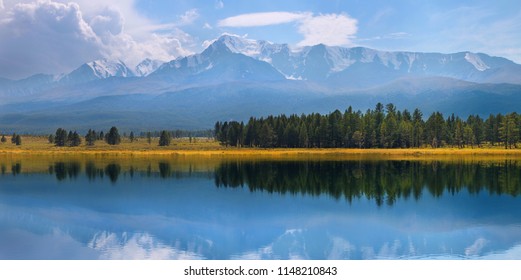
(358, 66)
(216, 64)
(98, 70)
(147, 66)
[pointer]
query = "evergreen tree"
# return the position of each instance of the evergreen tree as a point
(459, 133)
(267, 136)
(113, 137)
(50, 138)
(165, 138)
(131, 137)
(13, 138)
(434, 129)
(470, 138)
(303, 140)
(149, 137)
(60, 138)
(18, 140)
(74, 139)
(417, 129)
(358, 139)
(91, 137)
(3, 140)
(508, 130)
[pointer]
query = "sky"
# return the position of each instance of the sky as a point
(57, 36)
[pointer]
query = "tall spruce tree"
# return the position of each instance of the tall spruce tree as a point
(113, 137)
(164, 138)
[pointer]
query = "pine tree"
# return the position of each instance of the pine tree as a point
(131, 137)
(508, 130)
(18, 140)
(75, 139)
(113, 137)
(91, 137)
(149, 138)
(51, 138)
(165, 138)
(3, 140)
(60, 138)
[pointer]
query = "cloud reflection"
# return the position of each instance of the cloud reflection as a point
(139, 246)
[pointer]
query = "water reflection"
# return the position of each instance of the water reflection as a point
(15, 169)
(153, 208)
(381, 181)
(384, 182)
(64, 170)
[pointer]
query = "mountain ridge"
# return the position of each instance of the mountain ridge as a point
(235, 78)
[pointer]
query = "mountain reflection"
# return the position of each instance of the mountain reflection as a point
(381, 181)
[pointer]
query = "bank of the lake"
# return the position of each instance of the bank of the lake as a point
(210, 148)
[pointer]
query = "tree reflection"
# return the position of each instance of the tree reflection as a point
(16, 168)
(93, 171)
(112, 171)
(381, 181)
(64, 170)
(165, 170)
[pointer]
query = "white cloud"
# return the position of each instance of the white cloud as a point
(56, 36)
(329, 29)
(40, 36)
(2, 4)
(109, 21)
(262, 19)
(188, 17)
(207, 26)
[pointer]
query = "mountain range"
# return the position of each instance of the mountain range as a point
(235, 78)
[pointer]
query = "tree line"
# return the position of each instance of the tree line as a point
(381, 127)
(62, 138)
(15, 139)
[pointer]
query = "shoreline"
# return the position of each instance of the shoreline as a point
(272, 152)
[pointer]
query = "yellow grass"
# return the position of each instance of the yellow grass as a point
(32, 145)
(37, 155)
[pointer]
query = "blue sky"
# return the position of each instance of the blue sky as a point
(55, 36)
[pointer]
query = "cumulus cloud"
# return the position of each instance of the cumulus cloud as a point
(45, 35)
(55, 36)
(329, 29)
(109, 21)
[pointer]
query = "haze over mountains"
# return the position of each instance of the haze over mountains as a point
(235, 78)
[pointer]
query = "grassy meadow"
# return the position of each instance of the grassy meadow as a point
(33, 145)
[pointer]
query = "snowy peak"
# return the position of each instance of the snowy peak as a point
(104, 68)
(258, 49)
(147, 66)
(475, 60)
(97, 70)
(240, 45)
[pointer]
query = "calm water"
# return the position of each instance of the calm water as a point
(179, 208)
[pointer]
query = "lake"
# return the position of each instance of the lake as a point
(188, 207)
